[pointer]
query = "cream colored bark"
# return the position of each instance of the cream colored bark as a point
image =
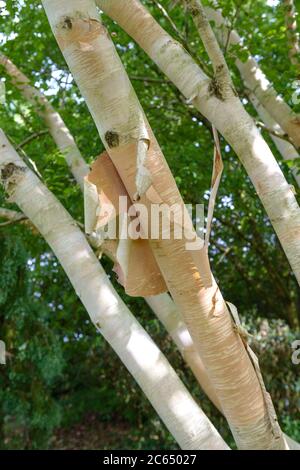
(103, 188)
(184, 419)
(208, 97)
(57, 128)
(126, 134)
(286, 149)
(166, 311)
(257, 82)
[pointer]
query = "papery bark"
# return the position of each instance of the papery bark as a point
(184, 419)
(123, 128)
(135, 264)
(165, 310)
(208, 97)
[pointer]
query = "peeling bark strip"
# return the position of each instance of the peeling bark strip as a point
(57, 128)
(182, 416)
(113, 105)
(239, 131)
(134, 261)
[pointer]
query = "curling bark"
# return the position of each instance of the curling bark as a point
(161, 305)
(211, 99)
(54, 122)
(129, 141)
(184, 419)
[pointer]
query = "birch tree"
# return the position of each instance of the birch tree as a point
(108, 313)
(247, 257)
(161, 305)
(95, 66)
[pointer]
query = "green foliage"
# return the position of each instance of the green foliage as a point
(58, 369)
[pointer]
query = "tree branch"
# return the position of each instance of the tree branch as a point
(31, 137)
(221, 70)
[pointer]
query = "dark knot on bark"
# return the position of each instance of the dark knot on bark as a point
(112, 139)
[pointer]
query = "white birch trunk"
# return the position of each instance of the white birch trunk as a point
(104, 84)
(257, 82)
(286, 149)
(184, 419)
(240, 131)
(216, 55)
(54, 122)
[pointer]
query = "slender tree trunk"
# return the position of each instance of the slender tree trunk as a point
(210, 97)
(184, 419)
(57, 128)
(292, 33)
(216, 55)
(125, 132)
(286, 149)
(257, 82)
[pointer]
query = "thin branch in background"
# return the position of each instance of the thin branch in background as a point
(30, 138)
(221, 83)
(169, 19)
(279, 135)
(14, 217)
(231, 27)
(11, 216)
(149, 79)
